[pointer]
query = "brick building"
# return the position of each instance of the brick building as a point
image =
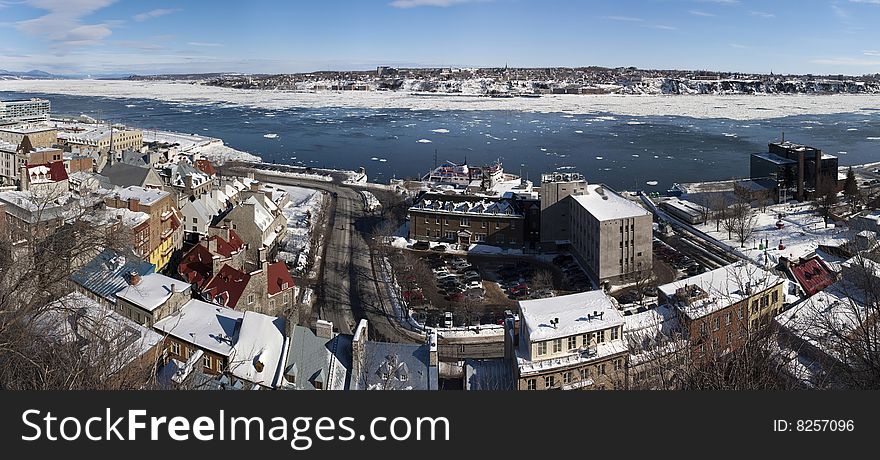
(166, 234)
(718, 309)
(466, 220)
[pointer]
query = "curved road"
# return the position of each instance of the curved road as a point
(347, 288)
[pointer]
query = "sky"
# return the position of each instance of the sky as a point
(95, 37)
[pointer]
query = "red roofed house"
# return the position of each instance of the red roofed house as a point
(206, 167)
(268, 290)
(812, 274)
(207, 257)
(48, 177)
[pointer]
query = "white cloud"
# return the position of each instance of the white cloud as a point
(721, 2)
(871, 53)
(440, 3)
(205, 44)
(738, 46)
(62, 24)
(661, 27)
(624, 18)
(762, 14)
(701, 13)
(848, 61)
(873, 2)
(154, 14)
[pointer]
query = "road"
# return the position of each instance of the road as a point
(346, 289)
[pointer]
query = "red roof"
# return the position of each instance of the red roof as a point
(206, 167)
(227, 286)
(813, 275)
(278, 276)
(197, 266)
(227, 248)
(56, 171)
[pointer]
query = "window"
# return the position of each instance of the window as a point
(566, 378)
(755, 305)
(729, 337)
(741, 313)
(549, 381)
(175, 348)
(557, 345)
(572, 343)
(530, 384)
(465, 222)
(728, 318)
(586, 340)
(542, 348)
(585, 374)
(206, 361)
(702, 328)
(483, 224)
(251, 299)
(716, 323)
(618, 364)
(775, 296)
(600, 337)
(195, 228)
(601, 369)
(480, 237)
(195, 220)
(614, 333)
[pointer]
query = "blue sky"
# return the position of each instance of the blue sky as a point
(113, 36)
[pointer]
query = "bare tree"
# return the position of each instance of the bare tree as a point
(55, 237)
(740, 222)
(718, 204)
(826, 199)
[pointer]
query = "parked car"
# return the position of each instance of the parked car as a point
(447, 319)
(421, 245)
(474, 285)
(439, 248)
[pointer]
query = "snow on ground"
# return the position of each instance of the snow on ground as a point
(211, 148)
(296, 245)
(310, 176)
(739, 107)
(804, 230)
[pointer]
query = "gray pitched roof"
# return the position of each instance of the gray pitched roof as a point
(312, 359)
(125, 175)
(398, 366)
(106, 274)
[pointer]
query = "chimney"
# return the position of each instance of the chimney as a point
(134, 278)
(432, 347)
(212, 245)
(172, 288)
(361, 336)
(262, 256)
(188, 180)
(134, 204)
(324, 329)
(255, 186)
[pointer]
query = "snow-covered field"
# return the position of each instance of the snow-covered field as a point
(804, 230)
(296, 245)
(740, 107)
(211, 148)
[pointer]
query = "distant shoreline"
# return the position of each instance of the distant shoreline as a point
(735, 107)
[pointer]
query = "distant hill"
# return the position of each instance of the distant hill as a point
(29, 75)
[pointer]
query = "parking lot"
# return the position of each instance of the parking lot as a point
(479, 289)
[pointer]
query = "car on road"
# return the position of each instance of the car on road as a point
(439, 248)
(447, 319)
(421, 245)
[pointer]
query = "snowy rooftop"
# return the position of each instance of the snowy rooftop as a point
(604, 204)
(821, 318)
(577, 314)
(76, 317)
(258, 354)
(146, 196)
(262, 217)
(205, 325)
(474, 207)
(152, 291)
(720, 288)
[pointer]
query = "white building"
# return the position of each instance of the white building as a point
(568, 342)
(25, 110)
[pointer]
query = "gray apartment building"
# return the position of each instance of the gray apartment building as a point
(611, 236)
